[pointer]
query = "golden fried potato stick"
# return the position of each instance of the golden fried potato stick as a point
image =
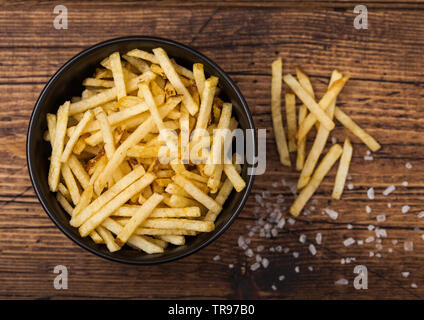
(343, 169)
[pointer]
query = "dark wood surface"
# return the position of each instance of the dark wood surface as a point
(385, 95)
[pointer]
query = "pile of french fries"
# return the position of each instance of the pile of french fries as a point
(312, 113)
(106, 164)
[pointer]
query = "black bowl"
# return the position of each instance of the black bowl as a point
(67, 82)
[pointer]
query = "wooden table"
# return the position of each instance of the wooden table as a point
(385, 95)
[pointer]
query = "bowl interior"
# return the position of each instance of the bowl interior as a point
(67, 82)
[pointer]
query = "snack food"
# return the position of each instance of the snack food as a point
(121, 162)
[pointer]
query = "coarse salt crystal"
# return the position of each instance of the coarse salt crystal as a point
(389, 190)
(405, 209)
(274, 287)
(258, 258)
(371, 193)
(311, 268)
(368, 158)
(369, 239)
(331, 213)
(389, 205)
(349, 226)
(281, 223)
(286, 250)
(378, 255)
(249, 253)
(241, 242)
(265, 262)
(414, 286)
(380, 233)
(350, 186)
(371, 254)
(371, 227)
(405, 274)
(297, 269)
(342, 261)
(217, 257)
(291, 221)
(390, 250)
(260, 248)
(422, 236)
(342, 282)
(368, 152)
(394, 241)
(230, 266)
(333, 140)
(302, 238)
(379, 246)
(295, 254)
(272, 249)
(281, 278)
(275, 184)
(421, 215)
(408, 246)
(274, 232)
(348, 242)
(405, 183)
(381, 218)
(312, 249)
(367, 209)
(318, 238)
(255, 266)
(408, 165)
(360, 242)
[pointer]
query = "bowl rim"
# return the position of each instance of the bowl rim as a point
(51, 214)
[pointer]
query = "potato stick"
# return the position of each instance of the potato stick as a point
(71, 184)
(141, 214)
(277, 119)
(92, 82)
(141, 54)
(46, 136)
(79, 146)
(138, 242)
(88, 115)
(175, 80)
(319, 174)
(291, 121)
(174, 239)
(301, 144)
(319, 142)
(343, 169)
(140, 65)
(103, 74)
(187, 212)
(51, 125)
(172, 223)
(59, 141)
(84, 200)
(139, 151)
(356, 130)
(118, 75)
(108, 239)
(132, 140)
(156, 232)
(64, 191)
(184, 135)
(305, 82)
(199, 78)
(315, 109)
(100, 165)
(115, 203)
(161, 243)
(223, 194)
(163, 182)
(215, 178)
(177, 201)
(217, 144)
(78, 170)
(95, 236)
(174, 115)
(106, 131)
(151, 104)
(183, 71)
(172, 188)
(108, 95)
(324, 103)
(117, 188)
(204, 115)
(194, 176)
(235, 178)
(197, 194)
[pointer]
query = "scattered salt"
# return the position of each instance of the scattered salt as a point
(348, 242)
(217, 257)
(318, 238)
(389, 205)
(286, 250)
(258, 258)
(371, 227)
(291, 221)
(381, 218)
(390, 250)
(394, 241)
(378, 255)
(275, 184)
(380, 233)
(302, 238)
(405, 209)
(230, 266)
(405, 274)
(369, 239)
(367, 209)
(389, 190)
(360, 242)
(281, 278)
(349, 226)
(408, 165)
(371, 254)
(255, 266)
(331, 213)
(274, 287)
(311, 268)
(260, 248)
(371, 193)
(368, 158)
(278, 248)
(421, 215)
(296, 269)
(295, 254)
(342, 261)
(342, 282)
(281, 223)
(350, 186)
(265, 262)
(333, 140)
(408, 246)
(312, 249)
(249, 253)
(414, 286)
(405, 183)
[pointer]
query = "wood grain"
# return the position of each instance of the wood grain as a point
(385, 95)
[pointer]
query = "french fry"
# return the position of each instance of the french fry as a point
(139, 64)
(107, 196)
(172, 188)
(324, 103)
(92, 82)
(108, 239)
(139, 242)
(158, 232)
(175, 80)
(291, 121)
(84, 201)
(64, 191)
(343, 169)
(139, 217)
(51, 125)
(223, 194)
(301, 144)
(88, 115)
(172, 223)
(70, 182)
(94, 221)
(141, 54)
(203, 118)
(79, 171)
(174, 239)
(315, 109)
(277, 119)
(59, 141)
(319, 142)
(345, 120)
(118, 75)
(234, 176)
(184, 135)
(197, 194)
(199, 77)
(187, 212)
(319, 174)
(177, 201)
